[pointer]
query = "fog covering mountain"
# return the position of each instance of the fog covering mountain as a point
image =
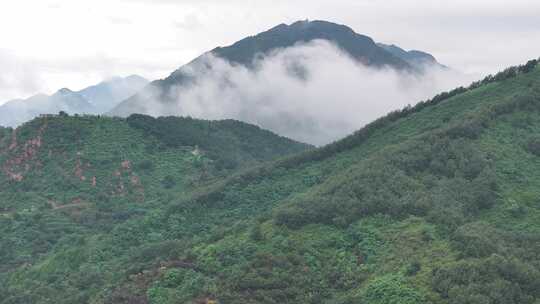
(314, 81)
(96, 99)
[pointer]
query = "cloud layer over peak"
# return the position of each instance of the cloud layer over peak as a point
(311, 92)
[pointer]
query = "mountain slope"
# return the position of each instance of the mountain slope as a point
(360, 47)
(107, 94)
(415, 58)
(91, 154)
(247, 51)
(431, 204)
(78, 176)
(96, 99)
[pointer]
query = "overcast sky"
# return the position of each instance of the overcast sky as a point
(49, 44)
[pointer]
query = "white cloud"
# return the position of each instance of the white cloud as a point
(155, 37)
(335, 96)
(18, 77)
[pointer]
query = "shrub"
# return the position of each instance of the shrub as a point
(467, 129)
(256, 234)
(145, 165)
(533, 146)
(391, 289)
(413, 268)
(477, 239)
(168, 182)
(529, 66)
(491, 280)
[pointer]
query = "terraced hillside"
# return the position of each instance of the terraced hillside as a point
(437, 203)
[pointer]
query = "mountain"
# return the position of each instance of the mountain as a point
(105, 95)
(413, 57)
(360, 47)
(248, 51)
(435, 203)
(16, 112)
(96, 99)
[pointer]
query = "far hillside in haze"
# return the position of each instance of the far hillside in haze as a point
(96, 99)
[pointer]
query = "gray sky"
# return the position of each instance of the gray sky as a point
(49, 44)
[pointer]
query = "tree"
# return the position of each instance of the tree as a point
(168, 182)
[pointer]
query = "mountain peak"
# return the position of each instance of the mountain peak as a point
(248, 51)
(320, 25)
(360, 47)
(135, 77)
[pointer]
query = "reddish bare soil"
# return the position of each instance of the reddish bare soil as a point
(22, 155)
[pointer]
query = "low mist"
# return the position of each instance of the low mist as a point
(311, 92)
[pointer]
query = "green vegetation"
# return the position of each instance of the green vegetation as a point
(66, 180)
(229, 142)
(436, 203)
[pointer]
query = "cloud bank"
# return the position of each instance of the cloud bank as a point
(17, 77)
(480, 36)
(312, 92)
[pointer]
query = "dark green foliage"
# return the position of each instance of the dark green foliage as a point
(222, 141)
(168, 182)
(67, 130)
(413, 268)
(533, 146)
(492, 280)
(256, 233)
(458, 178)
(391, 290)
(529, 66)
(477, 240)
(145, 165)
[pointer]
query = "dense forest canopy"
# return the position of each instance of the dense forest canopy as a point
(435, 203)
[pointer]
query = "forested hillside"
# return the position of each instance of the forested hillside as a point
(436, 203)
(67, 178)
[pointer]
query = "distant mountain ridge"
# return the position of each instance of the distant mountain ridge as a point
(105, 94)
(413, 57)
(96, 99)
(244, 52)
